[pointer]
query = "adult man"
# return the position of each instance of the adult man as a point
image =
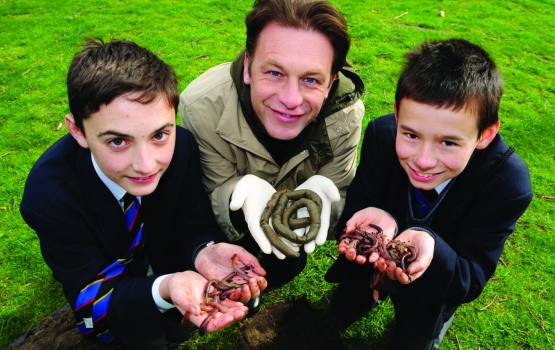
(285, 114)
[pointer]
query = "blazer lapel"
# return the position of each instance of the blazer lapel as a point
(104, 207)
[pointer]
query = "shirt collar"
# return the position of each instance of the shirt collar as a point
(442, 186)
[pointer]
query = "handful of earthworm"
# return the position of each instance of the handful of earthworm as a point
(217, 290)
(367, 243)
(284, 218)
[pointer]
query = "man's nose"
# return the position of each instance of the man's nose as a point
(291, 96)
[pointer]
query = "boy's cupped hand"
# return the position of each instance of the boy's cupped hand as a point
(186, 292)
(424, 244)
(361, 220)
(216, 262)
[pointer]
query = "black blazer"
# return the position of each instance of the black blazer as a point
(81, 225)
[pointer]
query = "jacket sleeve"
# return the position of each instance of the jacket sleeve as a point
(201, 118)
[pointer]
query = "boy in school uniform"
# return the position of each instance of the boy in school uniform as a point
(443, 138)
(130, 282)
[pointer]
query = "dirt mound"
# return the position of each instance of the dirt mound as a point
(56, 331)
(290, 325)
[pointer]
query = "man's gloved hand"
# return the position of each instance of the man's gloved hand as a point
(328, 192)
(252, 194)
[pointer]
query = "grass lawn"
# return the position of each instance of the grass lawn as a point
(39, 38)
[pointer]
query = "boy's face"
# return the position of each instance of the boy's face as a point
(132, 143)
(290, 77)
(435, 144)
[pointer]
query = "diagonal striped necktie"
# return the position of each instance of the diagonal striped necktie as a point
(93, 300)
(133, 217)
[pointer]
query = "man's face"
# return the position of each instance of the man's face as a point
(435, 144)
(132, 143)
(289, 77)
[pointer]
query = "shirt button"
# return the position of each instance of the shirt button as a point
(272, 182)
(339, 129)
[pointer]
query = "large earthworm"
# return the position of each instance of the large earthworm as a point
(284, 219)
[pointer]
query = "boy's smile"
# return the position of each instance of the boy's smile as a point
(132, 143)
(435, 144)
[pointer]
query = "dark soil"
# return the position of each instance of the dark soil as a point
(287, 325)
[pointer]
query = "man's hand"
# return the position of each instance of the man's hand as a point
(186, 292)
(328, 193)
(252, 194)
(214, 262)
(362, 220)
(424, 244)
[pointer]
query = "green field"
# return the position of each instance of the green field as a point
(39, 38)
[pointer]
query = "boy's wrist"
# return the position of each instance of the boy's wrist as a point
(423, 229)
(396, 233)
(197, 251)
(162, 303)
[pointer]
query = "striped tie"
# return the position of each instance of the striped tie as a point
(133, 219)
(93, 300)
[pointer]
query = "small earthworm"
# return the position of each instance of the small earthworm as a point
(217, 290)
(367, 243)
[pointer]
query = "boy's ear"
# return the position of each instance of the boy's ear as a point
(396, 112)
(246, 75)
(488, 135)
(75, 131)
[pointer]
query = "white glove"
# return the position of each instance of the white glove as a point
(328, 192)
(252, 194)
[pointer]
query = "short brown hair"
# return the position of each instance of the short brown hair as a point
(100, 72)
(453, 74)
(317, 15)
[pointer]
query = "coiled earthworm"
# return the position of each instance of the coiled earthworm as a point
(284, 219)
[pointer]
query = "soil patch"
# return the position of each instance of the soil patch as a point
(290, 325)
(56, 331)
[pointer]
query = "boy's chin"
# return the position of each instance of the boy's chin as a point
(140, 191)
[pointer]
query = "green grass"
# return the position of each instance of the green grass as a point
(39, 39)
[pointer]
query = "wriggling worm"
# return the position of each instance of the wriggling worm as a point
(366, 243)
(216, 291)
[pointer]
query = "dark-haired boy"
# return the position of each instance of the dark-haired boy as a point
(129, 282)
(443, 138)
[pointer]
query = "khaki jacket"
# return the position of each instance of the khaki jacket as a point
(210, 108)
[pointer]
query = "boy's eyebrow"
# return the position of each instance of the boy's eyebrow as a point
(443, 137)
(119, 134)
